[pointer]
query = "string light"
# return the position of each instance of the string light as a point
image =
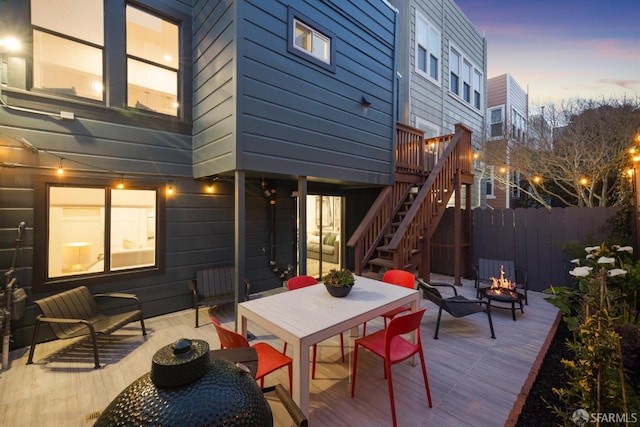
(584, 181)
(537, 179)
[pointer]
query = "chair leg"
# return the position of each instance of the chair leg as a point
(342, 346)
(313, 362)
(387, 374)
(34, 340)
(284, 348)
(197, 315)
(290, 379)
(144, 331)
(95, 349)
(435, 337)
(493, 335)
(426, 378)
(355, 368)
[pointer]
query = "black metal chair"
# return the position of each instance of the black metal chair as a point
(456, 305)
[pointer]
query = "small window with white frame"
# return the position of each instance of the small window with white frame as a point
(490, 182)
(311, 41)
(428, 50)
(496, 116)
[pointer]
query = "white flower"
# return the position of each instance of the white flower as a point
(581, 271)
(606, 260)
(625, 249)
(616, 272)
(589, 256)
(590, 249)
(576, 261)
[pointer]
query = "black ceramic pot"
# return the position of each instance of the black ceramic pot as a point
(188, 388)
(338, 291)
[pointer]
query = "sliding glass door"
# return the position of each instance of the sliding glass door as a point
(324, 234)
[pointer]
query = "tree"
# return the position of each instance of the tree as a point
(575, 154)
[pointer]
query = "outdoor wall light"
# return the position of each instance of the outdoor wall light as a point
(9, 44)
(365, 104)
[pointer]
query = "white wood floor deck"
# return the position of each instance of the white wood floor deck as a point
(474, 379)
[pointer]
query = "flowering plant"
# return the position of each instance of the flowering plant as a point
(339, 278)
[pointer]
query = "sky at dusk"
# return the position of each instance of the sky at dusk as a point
(562, 49)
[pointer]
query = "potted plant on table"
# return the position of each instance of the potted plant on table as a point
(339, 282)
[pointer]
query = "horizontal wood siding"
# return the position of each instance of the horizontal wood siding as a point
(214, 87)
(497, 91)
(300, 118)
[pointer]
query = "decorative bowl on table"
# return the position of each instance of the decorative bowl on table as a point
(339, 282)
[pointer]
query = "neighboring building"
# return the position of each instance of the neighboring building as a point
(507, 118)
(442, 60)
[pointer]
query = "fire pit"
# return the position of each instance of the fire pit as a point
(504, 291)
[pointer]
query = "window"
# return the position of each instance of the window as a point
(427, 61)
(477, 79)
(490, 183)
(310, 41)
(97, 230)
(454, 67)
(497, 122)
(152, 62)
(515, 190)
(518, 125)
(71, 52)
(68, 47)
(465, 80)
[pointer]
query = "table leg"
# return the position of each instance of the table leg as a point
(301, 376)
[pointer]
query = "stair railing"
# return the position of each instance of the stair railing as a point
(432, 197)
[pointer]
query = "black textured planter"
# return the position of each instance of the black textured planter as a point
(338, 291)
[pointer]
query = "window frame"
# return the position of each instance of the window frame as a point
(41, 280)
(294, 16)
(19, 91)
(430, 30)
(466, 89)
(492, 123)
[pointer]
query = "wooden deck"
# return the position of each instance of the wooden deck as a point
(474, 380)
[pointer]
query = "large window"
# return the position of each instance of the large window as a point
(518, 125)
(152, 62)
(97, 230)
(68, 47)
(465, 79)
(428, 51)
(311, 41)
(74, 42)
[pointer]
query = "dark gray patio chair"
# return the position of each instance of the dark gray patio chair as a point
(456, 305)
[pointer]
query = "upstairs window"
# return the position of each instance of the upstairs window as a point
(74, 41)
(428, 52)
(497, 122)
(152, 62)
(454, 69)
(465, 79)
(311, 41)
(68, 47)
(477, 89)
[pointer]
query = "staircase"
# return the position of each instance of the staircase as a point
(396, 232)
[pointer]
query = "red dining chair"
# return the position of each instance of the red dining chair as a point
(302, 282)
(389, 344)
(399, 278)
(269, 359)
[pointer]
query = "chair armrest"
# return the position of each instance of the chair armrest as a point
(121, 296)
(522, 273)
(467, 301)
(438, 284)
(193, 287)
(61, 320)
(247, 286)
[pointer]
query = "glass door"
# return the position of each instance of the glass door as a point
(324, 234)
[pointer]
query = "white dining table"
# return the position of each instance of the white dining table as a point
(309, 315)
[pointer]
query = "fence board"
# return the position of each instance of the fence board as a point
(533, 238)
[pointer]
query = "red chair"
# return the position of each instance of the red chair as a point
(394, 348)
(269, 359)
(399, 278)
(302, 282)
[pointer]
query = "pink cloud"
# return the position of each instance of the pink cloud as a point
(626, 84)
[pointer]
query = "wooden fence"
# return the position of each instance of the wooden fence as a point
(533, 238)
